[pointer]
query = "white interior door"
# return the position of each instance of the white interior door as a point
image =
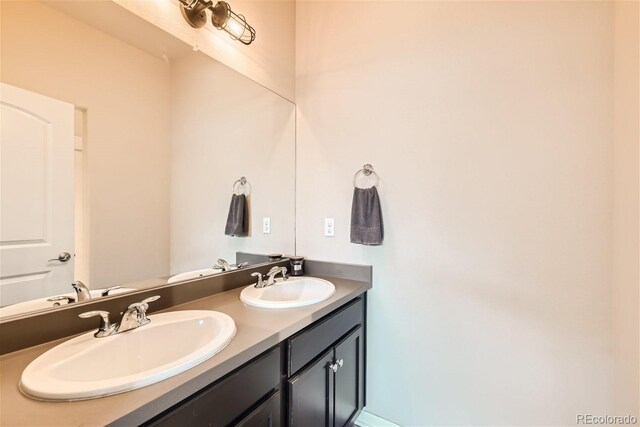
(36, 195)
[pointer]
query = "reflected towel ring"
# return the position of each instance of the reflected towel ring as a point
(240, 184)
(366, 170)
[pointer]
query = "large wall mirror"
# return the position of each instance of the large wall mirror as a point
(121, 146)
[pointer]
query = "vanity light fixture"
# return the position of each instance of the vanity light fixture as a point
(222, 17)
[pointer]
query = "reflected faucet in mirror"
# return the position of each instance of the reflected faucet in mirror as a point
(222, 264)
(81, 294)
(81, 291)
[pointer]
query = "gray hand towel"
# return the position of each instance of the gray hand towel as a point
(237, 220)
(366, 217)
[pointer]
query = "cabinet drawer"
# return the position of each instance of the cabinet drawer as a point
(309, 343)
(224, 401)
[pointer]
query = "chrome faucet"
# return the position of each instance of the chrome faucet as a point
(82, 292)
(134, 317)
(222, 264)
(271, 275)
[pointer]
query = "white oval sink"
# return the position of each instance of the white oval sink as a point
(86, 367)
(294, 292)
(42, 303)
(189, 275)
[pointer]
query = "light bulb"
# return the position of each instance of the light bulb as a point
(223, 18)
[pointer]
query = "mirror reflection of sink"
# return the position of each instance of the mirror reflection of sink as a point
(42, 303)
(86, 367)
(294, 292)
(193, 275)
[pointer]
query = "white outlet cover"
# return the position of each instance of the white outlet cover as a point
(266, 225)
(329, 227)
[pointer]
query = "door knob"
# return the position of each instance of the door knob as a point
(340, 362)
(62, 257)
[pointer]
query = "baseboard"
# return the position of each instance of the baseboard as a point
(367, 419)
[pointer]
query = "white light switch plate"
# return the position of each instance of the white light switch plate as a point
(329, 227)
(266, 225)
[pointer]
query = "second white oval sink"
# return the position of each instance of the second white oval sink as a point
(86, 367)
(294, 292)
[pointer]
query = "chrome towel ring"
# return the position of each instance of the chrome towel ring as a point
(240, 184)
(366, 170)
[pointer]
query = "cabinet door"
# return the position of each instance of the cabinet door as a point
(349, 379)
(265, 415)
(311, 395)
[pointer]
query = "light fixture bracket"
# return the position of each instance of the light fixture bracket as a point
(196, 16)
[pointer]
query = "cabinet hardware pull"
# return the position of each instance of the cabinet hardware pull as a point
(337, 364)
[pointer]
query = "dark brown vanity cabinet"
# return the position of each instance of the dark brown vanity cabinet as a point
(314, 378)
(328, 391)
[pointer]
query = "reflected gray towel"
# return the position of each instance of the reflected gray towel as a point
(237, 221)
(366, 217)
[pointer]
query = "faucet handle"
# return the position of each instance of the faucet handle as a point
(276, 270)
(259, 276)
(273, 270)
(142, 308)
(105, 328)
(55, 299)
(151, 299)
(144, 302)
(105, 292)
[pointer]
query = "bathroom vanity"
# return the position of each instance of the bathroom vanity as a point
(314, 378)
(299, 366)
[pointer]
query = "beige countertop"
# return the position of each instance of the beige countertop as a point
(258, 329)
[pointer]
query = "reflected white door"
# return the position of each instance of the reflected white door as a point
(36, 195)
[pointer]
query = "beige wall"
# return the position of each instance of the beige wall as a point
(625, 219)
(490, 125)
(269, 60)
(225, 126)
(126, 96)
